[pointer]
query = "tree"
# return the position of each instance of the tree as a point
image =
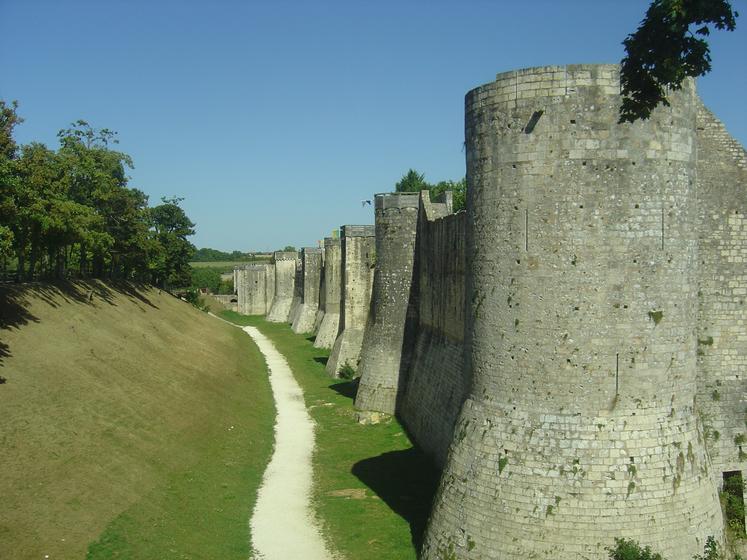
(412, 181)
(668, 46)
(171, 227)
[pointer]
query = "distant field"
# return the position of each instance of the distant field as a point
(226, 265)
(133, 426)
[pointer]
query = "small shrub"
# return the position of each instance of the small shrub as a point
(732, 501)
(346, 371)
(656, 316)
(628, 549)
(711, 551)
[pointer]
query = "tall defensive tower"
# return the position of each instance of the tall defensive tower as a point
(580, 329)
(382, 352)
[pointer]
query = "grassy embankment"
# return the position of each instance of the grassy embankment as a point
(133, 426)
(372, 489)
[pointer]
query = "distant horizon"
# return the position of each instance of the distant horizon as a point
(275, 120)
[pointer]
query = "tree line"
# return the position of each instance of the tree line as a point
(412, 181)
(70, 212)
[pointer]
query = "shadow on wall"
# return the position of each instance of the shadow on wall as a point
(15, 300)
(406, 480)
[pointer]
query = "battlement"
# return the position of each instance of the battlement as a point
(285, 255)
(357, 231)
(384, 201)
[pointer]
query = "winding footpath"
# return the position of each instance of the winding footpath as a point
(282, 524)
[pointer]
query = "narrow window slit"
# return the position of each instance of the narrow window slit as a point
(526, 229)
(533, 121)
(617, 373)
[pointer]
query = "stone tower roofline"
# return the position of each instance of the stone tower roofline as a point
(544, 81)
(357, 231)
(384, 201)
(311, 250)
(285, 255)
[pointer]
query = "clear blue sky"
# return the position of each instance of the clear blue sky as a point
(274, 119)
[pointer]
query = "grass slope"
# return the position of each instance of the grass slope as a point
(133, 426)
(372, 488)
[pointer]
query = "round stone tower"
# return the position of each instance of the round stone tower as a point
(382, 352)
(580, 332)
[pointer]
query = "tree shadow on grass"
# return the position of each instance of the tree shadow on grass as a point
(406, 481)
(15, 300)
(347, 388)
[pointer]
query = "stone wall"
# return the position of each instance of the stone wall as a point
(330, 300)
(436, 381)
(312, 268)
(357, 263)
(254, 288)
(382, 366)
(297, 300)
(579, 425)
(229, 301)
(722, 296)
(285, 279)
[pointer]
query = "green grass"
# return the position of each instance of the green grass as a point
(372, 488)
(134, 426)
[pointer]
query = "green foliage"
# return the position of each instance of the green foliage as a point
(289, 248)
(711, 551)
(656, 316)
(667, 47)
(628, 549)
(732, 501)
(72, 209)
(346, 371)
(412, 181)
(207, 254)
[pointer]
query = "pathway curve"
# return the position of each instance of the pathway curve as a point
(282, 524)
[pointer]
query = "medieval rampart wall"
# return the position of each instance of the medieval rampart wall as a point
(330, 302)
(722, 295)
(357, 263)
(581, 294)
(436, 381)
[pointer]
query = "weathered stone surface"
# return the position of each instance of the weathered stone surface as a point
(357, 249)
(330, 300)
(436, 382)
(254, 289)
(581, 297)
(722, 298)
(312, 263)
(382, 366)
(285, 279)
(295, 308)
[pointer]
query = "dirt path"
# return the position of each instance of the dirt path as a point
(282, 524)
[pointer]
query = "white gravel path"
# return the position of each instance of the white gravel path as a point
(282, 524)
